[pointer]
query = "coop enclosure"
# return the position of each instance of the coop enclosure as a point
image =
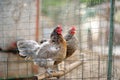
(35, 19)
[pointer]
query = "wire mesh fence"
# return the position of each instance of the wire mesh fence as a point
(18, 20)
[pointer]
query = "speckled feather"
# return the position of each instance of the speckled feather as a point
(53, 49)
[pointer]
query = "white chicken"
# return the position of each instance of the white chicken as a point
(45, 54)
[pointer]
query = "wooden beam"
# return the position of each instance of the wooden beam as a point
(61, 73)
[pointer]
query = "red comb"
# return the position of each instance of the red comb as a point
(73, 28)
(59, 26)
(59, 29)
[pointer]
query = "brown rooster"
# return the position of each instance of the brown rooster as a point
(72, 43)
(45, 54)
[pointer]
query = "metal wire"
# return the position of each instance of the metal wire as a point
(18, 20)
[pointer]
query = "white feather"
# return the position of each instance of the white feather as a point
(53, 48)
(44, 62)
(45, 43)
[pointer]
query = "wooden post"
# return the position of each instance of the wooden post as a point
(37, 21)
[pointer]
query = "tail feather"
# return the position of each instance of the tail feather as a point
(27, 47)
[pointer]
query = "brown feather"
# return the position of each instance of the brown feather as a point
(63, 49)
